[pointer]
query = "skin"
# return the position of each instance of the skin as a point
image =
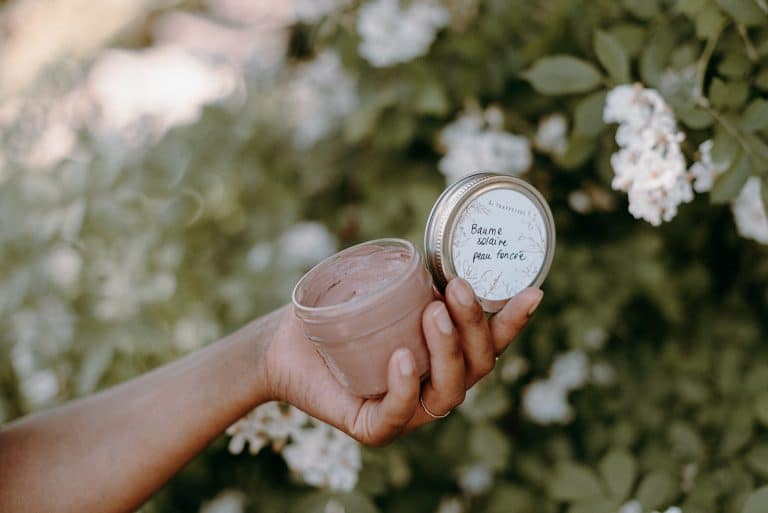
(111, 451)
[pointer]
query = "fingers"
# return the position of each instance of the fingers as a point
(384, 419)
(445, 388)
(478, 349)
(506, 324)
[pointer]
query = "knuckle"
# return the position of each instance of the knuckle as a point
(485, 366)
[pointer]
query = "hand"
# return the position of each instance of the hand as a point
(463, 346)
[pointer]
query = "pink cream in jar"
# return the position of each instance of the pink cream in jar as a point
(362, 304)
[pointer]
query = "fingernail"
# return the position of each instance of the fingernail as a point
(535, 304)
(405, 362)
(464, 293)
(443, 320)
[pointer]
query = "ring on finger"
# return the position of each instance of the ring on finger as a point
(433, 415)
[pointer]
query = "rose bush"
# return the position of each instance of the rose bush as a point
(154, 198)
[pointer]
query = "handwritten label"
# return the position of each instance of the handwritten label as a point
(499, 243)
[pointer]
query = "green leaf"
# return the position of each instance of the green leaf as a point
(734, 65)
(489, 445)
(761, 409)
(431, 99)
(562, 74)
(690, 7)
(757, 502)
(757, 459)
(631, 36)
(573, 481)
(595, 506)
(656, 489)
(709, 22)
(745, 12)
(761, 80)
(728, 94)
(588, 115)
(509, 498)
(728, 185)
(618, 470)
(644, 9)
(580, 149)
(612, 56)
(490, 403)
(654, 59)
(755, 116)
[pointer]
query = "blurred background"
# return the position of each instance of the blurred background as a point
(169, 169)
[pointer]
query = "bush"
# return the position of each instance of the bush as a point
(643, 376)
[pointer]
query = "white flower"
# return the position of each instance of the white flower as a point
(450, 505)
(673, 509)
(48, 326)
(705, 170)
(193, 331)
(476, 143)
(161, 87)
(579, 201)
(334, 506)
(320, 94)
(269, 423)
(749, 212)
(545, 402)
(650, 165)
(570, 370)
(40, 387)
(475, 479)
(551, 134)
(324, 457)
(312, 10)
(306, 243)
(63, 266)
(392, 34)
(512, 368)
(631, 507)
(259, 256)
(226, 501)
(603, 374)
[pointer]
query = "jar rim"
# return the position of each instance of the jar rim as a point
(360, 302)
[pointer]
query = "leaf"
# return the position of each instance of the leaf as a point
(745, 12)
(562, 74)
(595, 506)
(655, 489)
(728, 185)
(761, 409)
(709, 22)
(490, 446)
(728, 94)
(631, 36)
(509, 498)
(431, 99)
(580, 149)
(317, 502)
(644, 9)
(573, 481)
(690, 7)
(655, 56)
(757, 502)
(755, 116)
(612, 56)
(588, 115)
(761, 81)
(618, 470)
(757, 459)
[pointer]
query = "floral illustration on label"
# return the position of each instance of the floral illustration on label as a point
(499, 243)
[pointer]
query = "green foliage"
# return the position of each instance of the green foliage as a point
(678, 312)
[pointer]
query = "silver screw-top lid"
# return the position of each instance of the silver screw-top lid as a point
(495, 231)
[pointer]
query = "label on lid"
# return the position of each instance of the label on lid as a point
(499, 243)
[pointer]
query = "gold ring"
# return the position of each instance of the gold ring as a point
(424, 406)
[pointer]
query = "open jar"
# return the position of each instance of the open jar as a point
(362, 304)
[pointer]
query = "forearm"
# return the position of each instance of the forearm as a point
(111, 451)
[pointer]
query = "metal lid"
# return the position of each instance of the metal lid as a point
(495, 231)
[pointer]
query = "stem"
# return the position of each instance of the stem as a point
(751, 52)
(762, 4)
(703, 62)
(704, 103)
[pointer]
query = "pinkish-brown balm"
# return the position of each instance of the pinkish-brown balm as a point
(361, 305)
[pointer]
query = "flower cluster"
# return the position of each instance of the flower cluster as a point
(476, 142)
(322, 455)
(650, 166)
(392, 34)
(545, 401)
(551, 135)
(705, 170)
